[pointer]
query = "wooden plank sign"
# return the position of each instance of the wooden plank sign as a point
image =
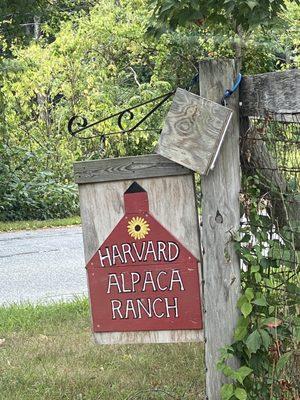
(142, 252)
(142, 278)
(193, 131)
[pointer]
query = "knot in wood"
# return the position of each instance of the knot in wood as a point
(219, 217)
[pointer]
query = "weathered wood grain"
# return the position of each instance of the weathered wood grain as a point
(172, 202)
(220, 214)
(273, 92)
(117, 169)
(193, 128)
(176, 336)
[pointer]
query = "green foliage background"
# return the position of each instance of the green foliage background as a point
(94, 61)
(236, 15)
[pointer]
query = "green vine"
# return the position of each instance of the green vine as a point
(268, 330)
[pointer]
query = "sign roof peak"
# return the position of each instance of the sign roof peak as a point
(135, 188)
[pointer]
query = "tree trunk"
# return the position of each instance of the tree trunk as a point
(37, 27)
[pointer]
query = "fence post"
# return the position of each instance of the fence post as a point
(221, 216)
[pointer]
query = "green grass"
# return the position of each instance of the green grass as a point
(28, 225)
(48, 354)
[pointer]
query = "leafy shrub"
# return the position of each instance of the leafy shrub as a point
(267, 335)
(27, 193)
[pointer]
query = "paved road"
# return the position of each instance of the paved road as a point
(41, 265)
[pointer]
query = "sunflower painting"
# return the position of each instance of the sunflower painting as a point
(138, 228)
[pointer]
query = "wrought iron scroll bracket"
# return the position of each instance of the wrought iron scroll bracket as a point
(78, 124)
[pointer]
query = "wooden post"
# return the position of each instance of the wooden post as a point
(275, 93)
(221, 216)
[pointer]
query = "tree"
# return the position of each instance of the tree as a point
(244, 13)
(238, 16)
(21, 19)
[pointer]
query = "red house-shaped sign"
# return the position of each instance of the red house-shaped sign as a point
(141, 278)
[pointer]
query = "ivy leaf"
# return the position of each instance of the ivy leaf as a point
(228, 371)
(243, 299)
(258, 277)
(254, 342)
(240, 393)
(283, 360)
(271, 309)
(241, 329)
(240, 332)
(246, 309)
(249, 294)
(254, 268)
(261, 302)
(265, 337)
(227, 391)
(242, 372)
(264, 262)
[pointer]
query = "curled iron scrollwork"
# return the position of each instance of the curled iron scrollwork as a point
(78, 124)
(126, 113)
